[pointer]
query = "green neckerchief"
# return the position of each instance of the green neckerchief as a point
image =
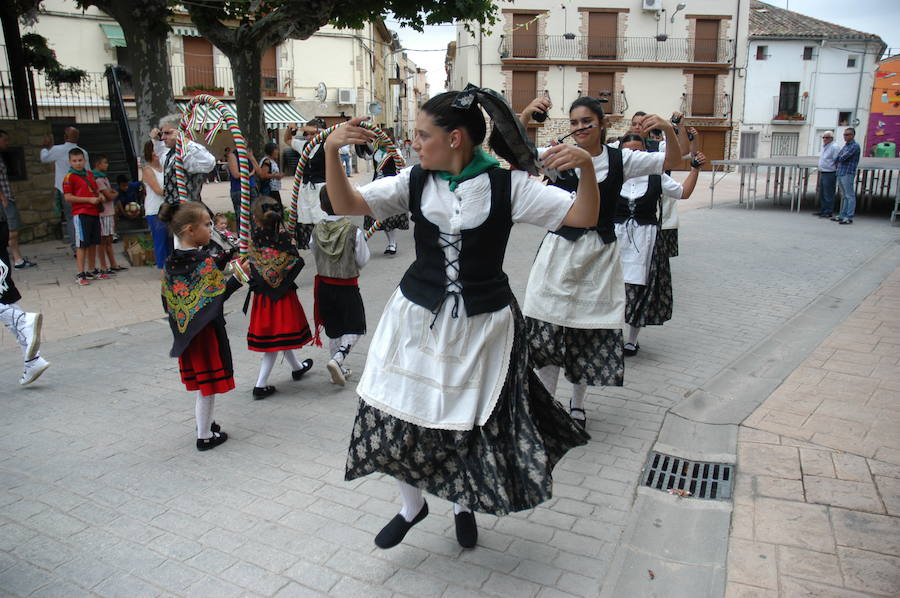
(99, 174)
(81, 173)
(481, 162)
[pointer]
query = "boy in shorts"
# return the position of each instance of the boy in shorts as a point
(80, 190)
(108, 263)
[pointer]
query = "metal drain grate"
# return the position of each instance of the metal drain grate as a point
(701, 479)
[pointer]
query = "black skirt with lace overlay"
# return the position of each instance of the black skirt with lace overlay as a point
(501, 467)
(651, 304)
(668, 238)
(591, 356)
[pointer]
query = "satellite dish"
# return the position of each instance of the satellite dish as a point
(375, 108)
(321, 92)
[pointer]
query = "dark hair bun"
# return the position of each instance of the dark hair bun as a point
(168, 211)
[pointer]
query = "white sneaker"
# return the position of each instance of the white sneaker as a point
(337, 372)
(30, 329)
(33, 369)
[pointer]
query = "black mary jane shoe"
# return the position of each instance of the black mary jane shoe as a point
(261, 392)
(466, 530)
(391, 250)
(305, 366)
(204, 444)
(630, 352)
(215, 428)
(394, 532)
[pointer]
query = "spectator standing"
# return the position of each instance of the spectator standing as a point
(309, 213)
(59, 155)
(80, 190)
(109, 195)
(344, 153)
(847, 160)
(153, 183)
(197, 160)
(827, 175)
(269, 173)
(234, 176)
(13, 220)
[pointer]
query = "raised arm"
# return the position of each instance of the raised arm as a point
(673, 150)
(541, 104)
(344, 198)
(691, 181)
(681, 135)
(585, 209)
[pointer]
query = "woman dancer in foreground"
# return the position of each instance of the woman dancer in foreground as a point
(448, 403)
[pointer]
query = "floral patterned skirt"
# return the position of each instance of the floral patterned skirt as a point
(591, 356)
(395, 222)
(669, 240)
(503, 466)
(651, 304)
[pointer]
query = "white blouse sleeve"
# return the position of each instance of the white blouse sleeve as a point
(535, 203)
(361, 252)
(388, 196)
(641, 163)
(197, 158)
(671, 187)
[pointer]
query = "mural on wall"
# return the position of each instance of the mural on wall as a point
(884, 117)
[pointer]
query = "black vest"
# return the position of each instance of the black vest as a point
(315, 167)
(610, 189)
(485, 286)
(646, 206)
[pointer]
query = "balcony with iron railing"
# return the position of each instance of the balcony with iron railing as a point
(520, 98)
(219, 81)
(617, 49)
(84, 102)
(789, 110)
(705, 105)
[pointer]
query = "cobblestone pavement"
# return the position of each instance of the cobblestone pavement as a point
(817, 501)
(102, 492)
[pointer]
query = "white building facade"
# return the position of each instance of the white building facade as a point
(655, 56)
(804, 77)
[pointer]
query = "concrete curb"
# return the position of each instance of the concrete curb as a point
(683, 541)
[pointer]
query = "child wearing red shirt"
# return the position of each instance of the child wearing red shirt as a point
(80, 190)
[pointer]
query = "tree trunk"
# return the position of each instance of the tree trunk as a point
(152, 77)
(18, 75)
(245, 67)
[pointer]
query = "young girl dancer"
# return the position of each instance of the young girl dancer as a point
(575, 300)
(385, 165)
(277, 322)
(194, 290)
(645, 262)
(447, 401)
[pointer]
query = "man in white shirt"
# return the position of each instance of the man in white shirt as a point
(198, 161)
(59, 155)
(827, 175)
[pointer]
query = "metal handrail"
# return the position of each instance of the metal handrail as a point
(119, 115)
(620, 49)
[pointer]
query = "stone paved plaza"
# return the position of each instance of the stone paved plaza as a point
(103, 493)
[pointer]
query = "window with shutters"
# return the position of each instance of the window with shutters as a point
(524, 89)
(603, 29)
(525, 36)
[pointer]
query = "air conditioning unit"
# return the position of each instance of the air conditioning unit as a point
(346, 95)
(652, 5)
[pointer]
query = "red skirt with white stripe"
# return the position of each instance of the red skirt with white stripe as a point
(277, 325)
(202, 367)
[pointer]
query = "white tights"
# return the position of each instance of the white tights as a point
(11, 315)
(549, 375)
(632, 334)
(203, 411)
(392, 237)
(268, 362)
(413, 501)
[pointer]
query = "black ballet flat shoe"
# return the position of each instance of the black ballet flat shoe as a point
(261, 392)
(394, 532)
(215, 428)
(580, 421)
(305, 366)
(204, 444)
(631, 352)
(466, 531)
(391, 250)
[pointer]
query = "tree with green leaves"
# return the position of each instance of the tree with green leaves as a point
(244, 30)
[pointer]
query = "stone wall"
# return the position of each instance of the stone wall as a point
(35, 195)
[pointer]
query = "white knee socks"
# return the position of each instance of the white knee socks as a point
(340, 348)
(412, 501)
(392, 238)
(578, 392)
(13, 317)
(292, 360)
(549, 375)
(203, 411)
(632, 334)
(458, 508)
(265, 368)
